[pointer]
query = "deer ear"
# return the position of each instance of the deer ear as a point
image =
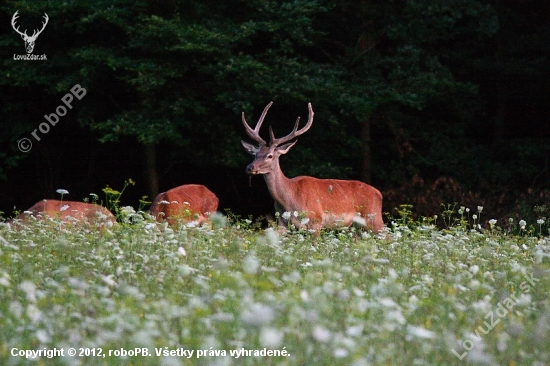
(283, 149)
(250, 148)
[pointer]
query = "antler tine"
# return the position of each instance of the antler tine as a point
(295, 132)
(255, 133)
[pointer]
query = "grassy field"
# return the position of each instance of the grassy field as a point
(232, 294)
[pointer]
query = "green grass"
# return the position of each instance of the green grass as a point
(342, 298)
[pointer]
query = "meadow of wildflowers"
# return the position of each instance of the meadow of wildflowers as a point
(475, 292)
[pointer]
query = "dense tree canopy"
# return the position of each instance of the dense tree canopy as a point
(405, 93)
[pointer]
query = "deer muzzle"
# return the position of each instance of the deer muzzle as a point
(250, 169)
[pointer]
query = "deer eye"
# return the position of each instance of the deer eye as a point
(270, 156)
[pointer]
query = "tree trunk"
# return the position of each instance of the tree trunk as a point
(151, 171)
(365, 150)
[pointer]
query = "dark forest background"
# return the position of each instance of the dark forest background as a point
(431, 101)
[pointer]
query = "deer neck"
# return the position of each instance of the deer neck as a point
(280, 187)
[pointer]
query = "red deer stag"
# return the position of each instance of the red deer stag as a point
(70, 211)
(190, 202)
(325, 202)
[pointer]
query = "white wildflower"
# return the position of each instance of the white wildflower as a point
(295, 213)
(33, 313)
(29, 289)
(5, 280)
(42, 336)
(522, 224)
(164, 202)
(182, 251)
(340, 353)
(502, 344)
(127, 210)
(272, 237)
(218, 220)
(419, 332)
(474, 217)
(540, 221)
(358, 292)
(251, 264)
(64, 207)
(524, 300)
(258, 314)
(479, 208)
(286, 215)
(321, 334)
(62, 191)
(355, 331)
(492, 222)
(359, 221)
(108, 280)
(304, 221)
(16, 309)
(271, 337)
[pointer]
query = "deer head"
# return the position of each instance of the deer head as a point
(267, 156)
(29, 40)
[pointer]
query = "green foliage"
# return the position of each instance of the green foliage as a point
(112, 198)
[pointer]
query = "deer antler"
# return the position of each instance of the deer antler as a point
(43, 26)
(295, 132)
(24, 34)
(255, 133)
(13, 19)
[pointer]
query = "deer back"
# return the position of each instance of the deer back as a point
(70, 211)
(190, 202)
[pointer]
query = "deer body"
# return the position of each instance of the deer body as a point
(70, 211)
(190, 202)
(325, 202)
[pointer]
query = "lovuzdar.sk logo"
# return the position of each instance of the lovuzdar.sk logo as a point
(29, 40)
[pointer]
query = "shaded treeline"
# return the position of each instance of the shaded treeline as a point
(430, 101)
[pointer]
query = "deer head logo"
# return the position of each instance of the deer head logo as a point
(29, 40)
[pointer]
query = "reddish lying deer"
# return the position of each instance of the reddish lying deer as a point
(325, 202)
(70, 211)
(190, 202)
